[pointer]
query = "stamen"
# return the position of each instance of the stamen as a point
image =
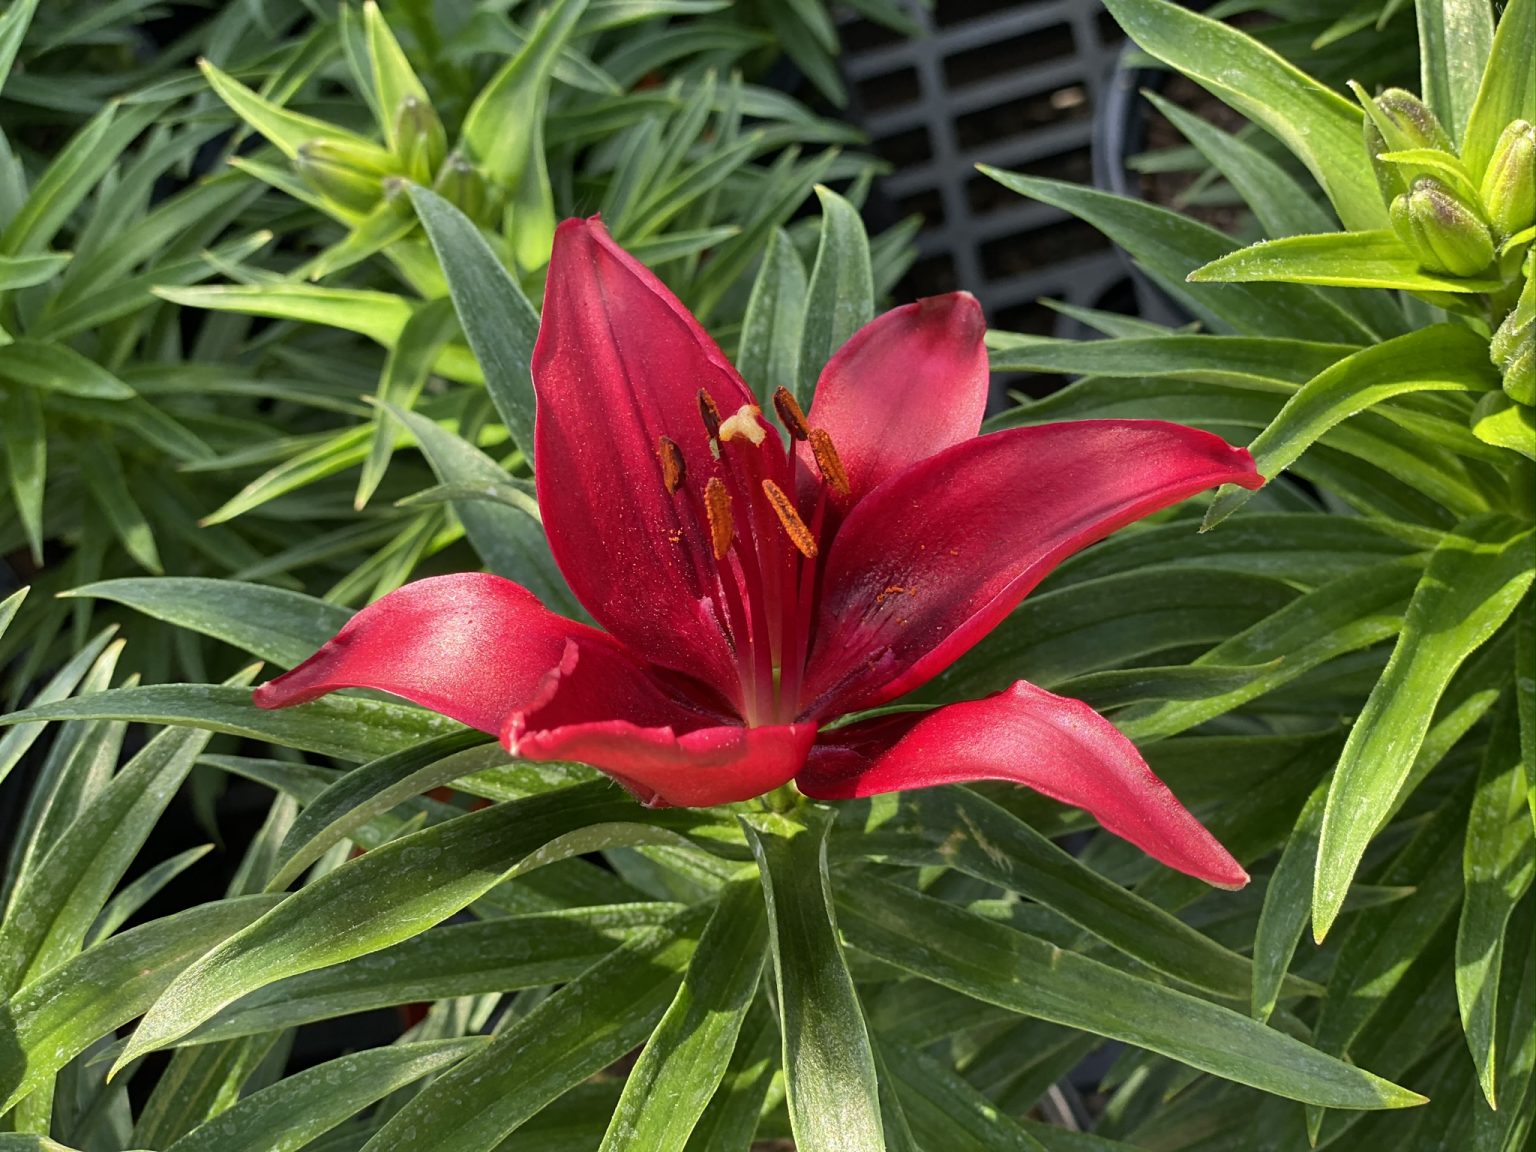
(791, 415)
(743, 422)
(710, 412)
(794, 527)
(672, 468)
(717, 506)
(830, 463)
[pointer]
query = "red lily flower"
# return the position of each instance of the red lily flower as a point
(750, 594)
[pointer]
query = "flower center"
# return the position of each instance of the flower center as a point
(762, 519)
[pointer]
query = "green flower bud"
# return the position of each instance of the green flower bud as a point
(1411, 120)
(1443, 233)
(461, 184)
(1509, 185)
(329, 170)
(1513, 348)
(420, 141)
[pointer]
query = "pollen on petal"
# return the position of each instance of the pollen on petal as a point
(794, 527)
(791, 415)
(673, 470)
(744, 423)
(717, 506)
(830, 463)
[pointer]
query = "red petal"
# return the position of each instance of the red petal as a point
(660, 745)
(931, 561)
(910, 383)
(697, 769)
(471, 646)
(618, 364)
(1026, 735)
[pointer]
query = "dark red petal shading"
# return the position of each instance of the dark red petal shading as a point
(471, 646)
(1059, 747)
(910, 383)
(618, 364)
(933, 559)
(662, 746)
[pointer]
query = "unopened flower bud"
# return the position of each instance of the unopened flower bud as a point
(461, 184)
(1513, 348)
(1443, 233)
(1390, 178)
(420, 141)
(1509, 185)
(327, 169)
(1413, 122)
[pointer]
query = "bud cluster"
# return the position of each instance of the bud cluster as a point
(1451, 224)
(1513, 349)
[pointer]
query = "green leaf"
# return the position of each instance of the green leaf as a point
(347, 727)
(1497, 866)
(731, 1118)
(14, 745)
(840, 298)
(500, 955)
(1282, 205)
(25, 271)
(57, 1017)
(141, 890)
(8, 609)
(59, 368)
(496, 316)
(990, 962)
(1508, 90)
(102, 469)
(406, 370)
(687, 1056)
(1238, 361)
(288, 130)
(575, 1033)
(1499, 421)
(509, 538)
(13, 30)
(270, 623)
(956, 828)
(380, 316)
(1171, 247)
(25, 439)
(1455, 37)
(1347, 259)
(946, 1111)
(386, 896)
(1318, 125)
(1440, 358)
(368, 791)
(1474, 580)
(768, 355)
(291, 1113)
(394, 80)
(834, 1101)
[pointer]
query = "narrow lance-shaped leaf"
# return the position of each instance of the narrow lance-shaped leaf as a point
(1474, 580)
(769, 354)
(1440, 358)
(990, 962)
(1497, 867)
(1375, 259)
(1508, 89)
(581, 1029)
(1455, 37)
(406, 370)
(834, 1101)
(840, 298)
(688, 1054)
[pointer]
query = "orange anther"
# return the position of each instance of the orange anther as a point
(794, 527)
(717, 506)
(830, 463)
(791, 415)
(672, 468)
(709, 411)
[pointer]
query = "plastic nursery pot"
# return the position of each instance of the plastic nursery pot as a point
(1119, 133)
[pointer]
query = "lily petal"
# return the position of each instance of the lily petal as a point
(934, 558)
(658, 743)
(911, 382)
(1026, 735)
(471, 646)
(619, 364)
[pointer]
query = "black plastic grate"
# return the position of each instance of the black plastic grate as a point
(1008, 84)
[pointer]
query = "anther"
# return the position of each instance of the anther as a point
(830, 463)
(794, 527)
(717, 506)
(672, 468)
(710, 412)
(791, 415)
(744, 423)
